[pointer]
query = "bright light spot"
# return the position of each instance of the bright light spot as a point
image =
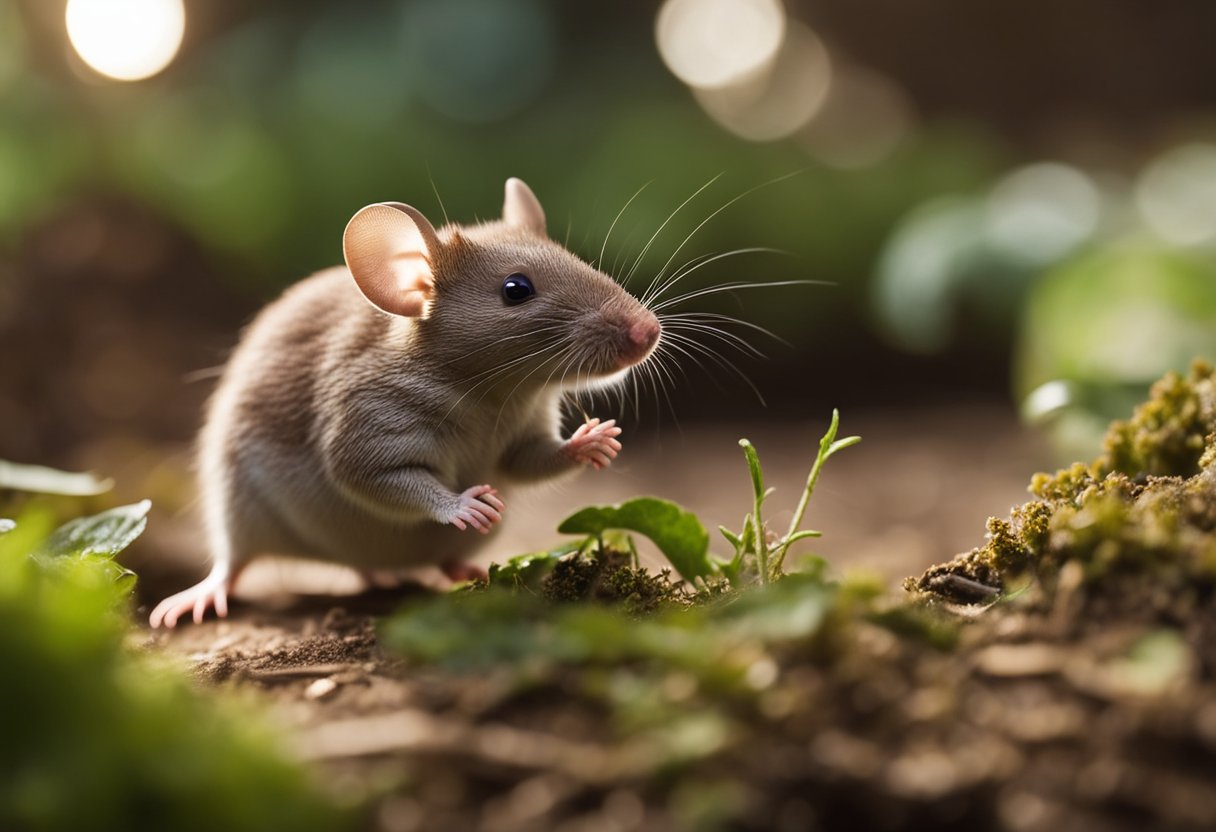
(924, 261)
(1176, 195)
(1041, 212)
(782, 100)
(1047, 400)
(862, 122)
(713, 43)
(126, 39)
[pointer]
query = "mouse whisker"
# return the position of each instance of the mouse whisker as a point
(495, 374)
(729, 287)
(600, 260)
(692, 266)
(646, 248)
(663, 388)
(718, 316)
(720, 334)
(568, 350)
(687, 346)
(556, 326)
(715, 213)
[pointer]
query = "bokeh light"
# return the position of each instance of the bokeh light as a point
(1176, 195)
(715, 43)
(1040, 212)
(865, 118)
(782, 100)
(127, 40)
(929, 255)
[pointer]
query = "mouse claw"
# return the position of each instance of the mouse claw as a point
(594, 443)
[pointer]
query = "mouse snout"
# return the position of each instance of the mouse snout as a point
(644, 333)
(641, 334)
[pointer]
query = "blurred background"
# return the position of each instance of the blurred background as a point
(1013, 203)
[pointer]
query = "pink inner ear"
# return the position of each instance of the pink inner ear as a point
(387, 254)
(413, 270)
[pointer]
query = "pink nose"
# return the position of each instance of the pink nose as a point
(644, 333)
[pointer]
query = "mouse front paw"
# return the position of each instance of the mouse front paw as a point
(479, 507)
(594, 443)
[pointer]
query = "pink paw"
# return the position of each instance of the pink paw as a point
(479, 508)
(197, 599)
(594, 443)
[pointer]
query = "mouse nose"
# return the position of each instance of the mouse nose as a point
(644, 333)
(638, 337)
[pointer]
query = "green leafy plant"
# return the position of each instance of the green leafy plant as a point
(754, 541)
(677, 532)
(682, 538)
(100, 735)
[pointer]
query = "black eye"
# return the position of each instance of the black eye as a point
(517, 288)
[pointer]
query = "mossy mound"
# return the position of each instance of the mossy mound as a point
(1139, 518)
(610, 576)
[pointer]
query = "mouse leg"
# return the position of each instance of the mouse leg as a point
(459, 571)
(211, 591)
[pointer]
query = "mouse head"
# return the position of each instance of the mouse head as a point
(500, 294)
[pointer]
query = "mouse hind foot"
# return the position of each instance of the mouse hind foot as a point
(460, 572)
(211, 592)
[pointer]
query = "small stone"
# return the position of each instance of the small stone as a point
(320, 689)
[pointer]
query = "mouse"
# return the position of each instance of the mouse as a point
(377, 414)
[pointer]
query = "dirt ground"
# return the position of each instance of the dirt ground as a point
(915, 492)
(1025, 727)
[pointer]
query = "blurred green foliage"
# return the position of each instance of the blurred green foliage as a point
(100, 736)
(279, 119)
(264, 138)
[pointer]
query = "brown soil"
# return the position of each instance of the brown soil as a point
(1035, 721)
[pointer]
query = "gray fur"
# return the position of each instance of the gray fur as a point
(344, 433)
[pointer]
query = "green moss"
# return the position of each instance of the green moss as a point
(1168, 434)
(609, 576)
(1145, 508)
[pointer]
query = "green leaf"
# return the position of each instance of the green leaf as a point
(841, 444)
(800, 536)
(731, 538)
(44, 480)
(6, 525)
(678, 533)
(101, 535)
(749, 532)
(753, 465)
(528, 569)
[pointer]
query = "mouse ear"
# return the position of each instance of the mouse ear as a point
(388, 248)
(521, 209)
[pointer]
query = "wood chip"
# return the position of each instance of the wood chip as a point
(280, 674)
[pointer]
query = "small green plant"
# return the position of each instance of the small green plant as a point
(755, 542)
(681, 536)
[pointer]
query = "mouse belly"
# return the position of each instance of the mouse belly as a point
(298, 511)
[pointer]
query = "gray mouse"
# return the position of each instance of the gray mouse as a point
(366, 412)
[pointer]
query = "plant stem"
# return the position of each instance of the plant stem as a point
(812, 478)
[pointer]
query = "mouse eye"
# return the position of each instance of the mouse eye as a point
(517, 288)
